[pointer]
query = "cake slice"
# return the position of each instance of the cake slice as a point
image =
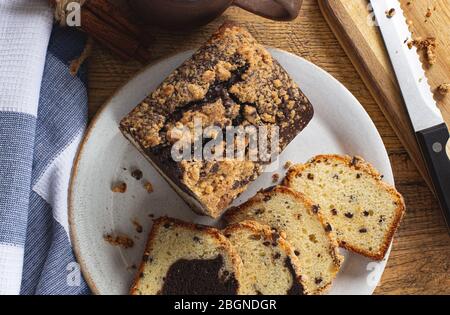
(187, 259)
(269, 265)
(362, 209)
(294, 216)
(231, 81)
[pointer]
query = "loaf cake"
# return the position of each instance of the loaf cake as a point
(231, 81)
(269, 265)
(362, 209)
(183, 258)
(294, 216)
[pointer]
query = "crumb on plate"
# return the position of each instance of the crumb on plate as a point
(149, 187)
(137, 226)
(137, 174)
(119, 188)
(119, 240)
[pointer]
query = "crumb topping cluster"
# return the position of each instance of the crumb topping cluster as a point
(231, 81)
(428, 46)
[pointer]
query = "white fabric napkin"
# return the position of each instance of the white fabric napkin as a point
(25, 28)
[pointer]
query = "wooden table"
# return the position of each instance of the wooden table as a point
(420, 259)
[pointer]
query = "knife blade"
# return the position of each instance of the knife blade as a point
(431, 131)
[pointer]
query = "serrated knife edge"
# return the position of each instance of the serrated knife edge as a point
(412, 80)
(431, 132)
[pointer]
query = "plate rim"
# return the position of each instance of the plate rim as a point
(74, 172)
(88, 132)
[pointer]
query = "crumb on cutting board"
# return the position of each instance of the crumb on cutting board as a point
(429, 13)
(427, 45)
(119, 188)
(119, 240)
(444, 89)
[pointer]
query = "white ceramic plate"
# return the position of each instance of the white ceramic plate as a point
(340, 125)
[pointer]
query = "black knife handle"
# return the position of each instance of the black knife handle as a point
(433, 143)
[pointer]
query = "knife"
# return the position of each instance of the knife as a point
(431, 131)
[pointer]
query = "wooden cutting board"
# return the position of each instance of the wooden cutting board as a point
(352, 22)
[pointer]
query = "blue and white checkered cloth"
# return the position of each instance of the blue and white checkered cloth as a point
(43, 114)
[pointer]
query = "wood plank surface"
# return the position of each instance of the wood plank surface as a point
(419, 262)
(353, 23)
(353, 26)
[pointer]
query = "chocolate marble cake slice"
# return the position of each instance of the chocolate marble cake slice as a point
(269, 264)
(187, 259)
(295, 217)
(231, 81)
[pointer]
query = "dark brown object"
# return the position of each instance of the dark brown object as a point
(215, 275)
(443, 89)
(390, 13)
(315, 209)
(296, 288)
(190, 14)
(119, 240)
(198, 277)
(231, 81)
(112, 28)
(137, 174)
(349, 215)
(138, 226)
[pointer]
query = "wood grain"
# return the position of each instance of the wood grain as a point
(437, 25)
(352, 23)
(420, 258)
(354, 27)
